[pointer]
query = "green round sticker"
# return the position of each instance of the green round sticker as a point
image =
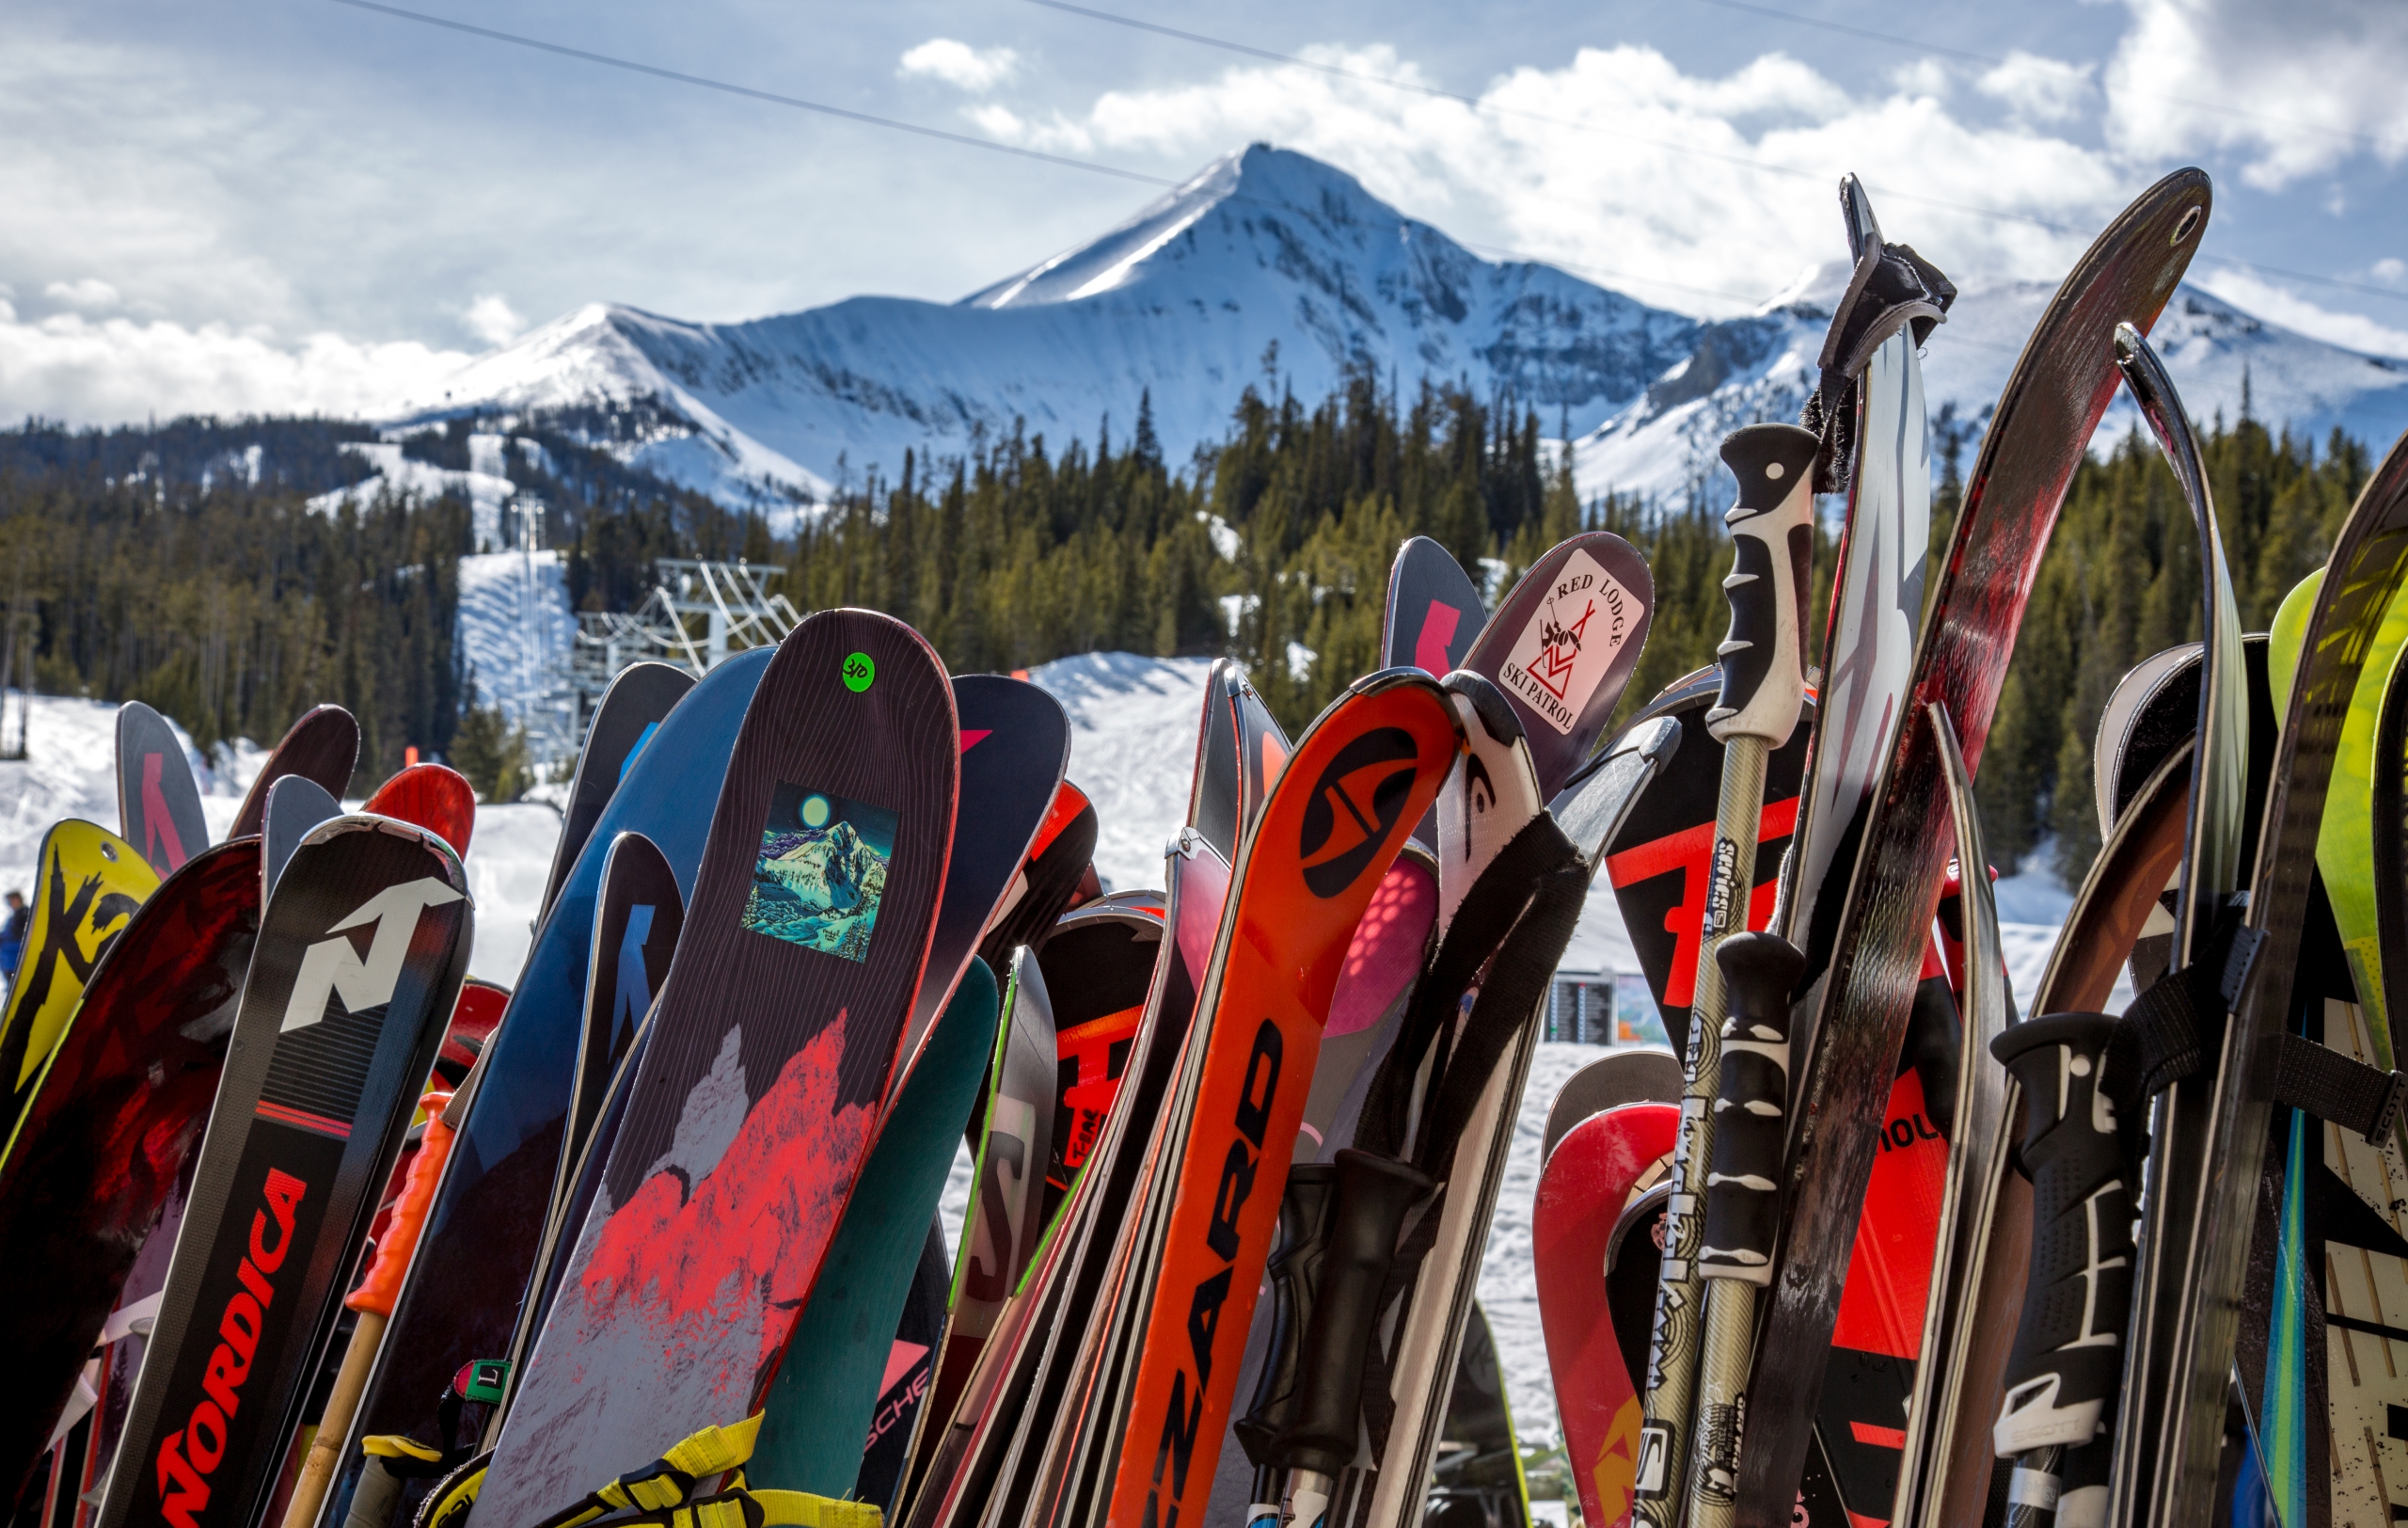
(858, 672)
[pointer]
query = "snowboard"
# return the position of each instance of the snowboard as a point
(295, 805)
(158, 802)
(1563, 646)
(93, 1161)
(1594, 1266)
(632, 710)
(88, 883)
(1004, 1218)
(1643, 1075)
(328, 1048)
(911, 1369)
(1015, 742)
(2045, 417)
(821, 1405)
(436, 798)
(1098, 967)
(459, 1302)
(775, 1039)
(1048, 1335)
(1477, 1480)
(322, 745)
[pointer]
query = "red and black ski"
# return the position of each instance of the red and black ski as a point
(158, 802)
(321, 744)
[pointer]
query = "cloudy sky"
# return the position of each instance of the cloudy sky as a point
(283, 204)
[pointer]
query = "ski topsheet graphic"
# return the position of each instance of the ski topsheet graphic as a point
(774, 1042)
(1564, 643)
(88, 883)
(358, 957)
(119, 1105)
(158, 803)
(460, 1300)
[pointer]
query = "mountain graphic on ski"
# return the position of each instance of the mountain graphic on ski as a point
(460, 1300)
(358, 957)
(104, 1140)
(322, 745)
(632, 710)
(88, 883)
(158, 802)
(774, 1043)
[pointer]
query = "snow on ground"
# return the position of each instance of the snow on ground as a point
(487, 488)
(1132, 750)
(70, 770)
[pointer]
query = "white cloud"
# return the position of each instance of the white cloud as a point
(2302, 85)
(91, 293)
(492, 319)
(959, 64)
(2041, 89)
(74, 368)
(2389, 269)
(1920, 78)
(1621, 165)
(2280, 305)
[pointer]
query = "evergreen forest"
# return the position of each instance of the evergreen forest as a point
(183, 564)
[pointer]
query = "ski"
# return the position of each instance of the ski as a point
(632, 710)
(1015, 743)
(295, 805)
(436, 798)
(88, 886)
(1594, 1261)
(1098, 967)
(158, 802)
(97, 1158)
(1482, 1471)
(321, 744)
(911, 1370)
(328, 1052)
(457, 1304)
(638, 916)
(1562, 645)
(776, 1039)
(1432, 614)
(2043, 424)
(821, 1404)
(1634, 1075)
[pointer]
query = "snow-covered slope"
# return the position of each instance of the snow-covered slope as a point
(1265, 246)
(517, 634)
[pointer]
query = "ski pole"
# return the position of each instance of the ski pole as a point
(2063, 1375)
(1762, 692)
(374, 1300)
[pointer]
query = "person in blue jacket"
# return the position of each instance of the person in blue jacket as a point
(12, 935)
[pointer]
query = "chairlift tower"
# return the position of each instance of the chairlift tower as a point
(697, 613)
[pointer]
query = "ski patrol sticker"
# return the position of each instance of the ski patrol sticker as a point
(1570, 642)
(821, 871)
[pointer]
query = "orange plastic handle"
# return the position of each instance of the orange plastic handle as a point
(383, 1285)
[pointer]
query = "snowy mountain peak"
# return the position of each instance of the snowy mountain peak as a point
(1184, 299)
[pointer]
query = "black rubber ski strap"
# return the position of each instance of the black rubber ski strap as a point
(1481, 923)
(2165, 1036)
(1891, 287)
(2340, 1088)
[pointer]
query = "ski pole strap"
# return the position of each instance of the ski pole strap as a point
(658, 1492)
(406, 1457)
(2340, 1088)
(2167, 1034)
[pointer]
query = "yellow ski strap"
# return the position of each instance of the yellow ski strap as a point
(658, 1492)
(395, 1446)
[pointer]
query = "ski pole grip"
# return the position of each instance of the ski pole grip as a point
(2067, 1359)
(1374, 1194)
(1295, 1269)
(1772, 530)
(1750, 1117)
